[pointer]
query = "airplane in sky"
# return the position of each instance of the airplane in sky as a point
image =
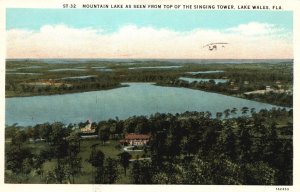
(214, 46)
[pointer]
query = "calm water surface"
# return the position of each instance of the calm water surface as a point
(136, 99)
(68, 69)
(204, 72)
(24, 73)
(79, 77)
(156, 67)
(104, 70)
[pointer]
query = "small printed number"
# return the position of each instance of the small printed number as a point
(282, 189)
(69, 5)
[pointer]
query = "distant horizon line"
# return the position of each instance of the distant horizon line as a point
(143, 59)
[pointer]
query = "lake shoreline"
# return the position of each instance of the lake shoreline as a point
(222, 93)
(122, 103)
(123, 84)
(64, 93)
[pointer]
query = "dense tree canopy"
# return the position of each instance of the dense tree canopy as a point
(189, 148)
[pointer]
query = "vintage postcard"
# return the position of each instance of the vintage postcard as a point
(103, 96)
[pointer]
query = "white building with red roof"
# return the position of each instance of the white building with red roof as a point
(135, 139)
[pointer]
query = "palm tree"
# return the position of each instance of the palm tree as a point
(219, 115)
(252, 111)
(233, 111)
(227, 113)
(245, 110)
(208, 114)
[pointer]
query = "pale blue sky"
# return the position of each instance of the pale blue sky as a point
(124, 33)
(111, 20)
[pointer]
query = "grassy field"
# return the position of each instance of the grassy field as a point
(110, 149)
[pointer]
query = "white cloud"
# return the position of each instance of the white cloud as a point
(251, 40)
(255, 28)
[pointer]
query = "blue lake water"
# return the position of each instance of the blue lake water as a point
(204, 72)
(79, 77)
(156, 67)
(136, 99)
(23, 73)
(101, 69)
(30, 67)
(68, 69)
(98, 67)
(104, 70)
(191, 80)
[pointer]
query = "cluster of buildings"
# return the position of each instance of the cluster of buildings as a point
(269, 89)
(45, 83)
(132, 139)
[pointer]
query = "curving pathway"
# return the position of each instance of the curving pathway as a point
(130, 148)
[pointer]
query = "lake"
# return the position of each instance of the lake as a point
(79, 77)
(23, 73)
(155, 67)
(104, 70)
(191, 80)
(136, 99)
(204, 72)
(68, 69)
(98, 67)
